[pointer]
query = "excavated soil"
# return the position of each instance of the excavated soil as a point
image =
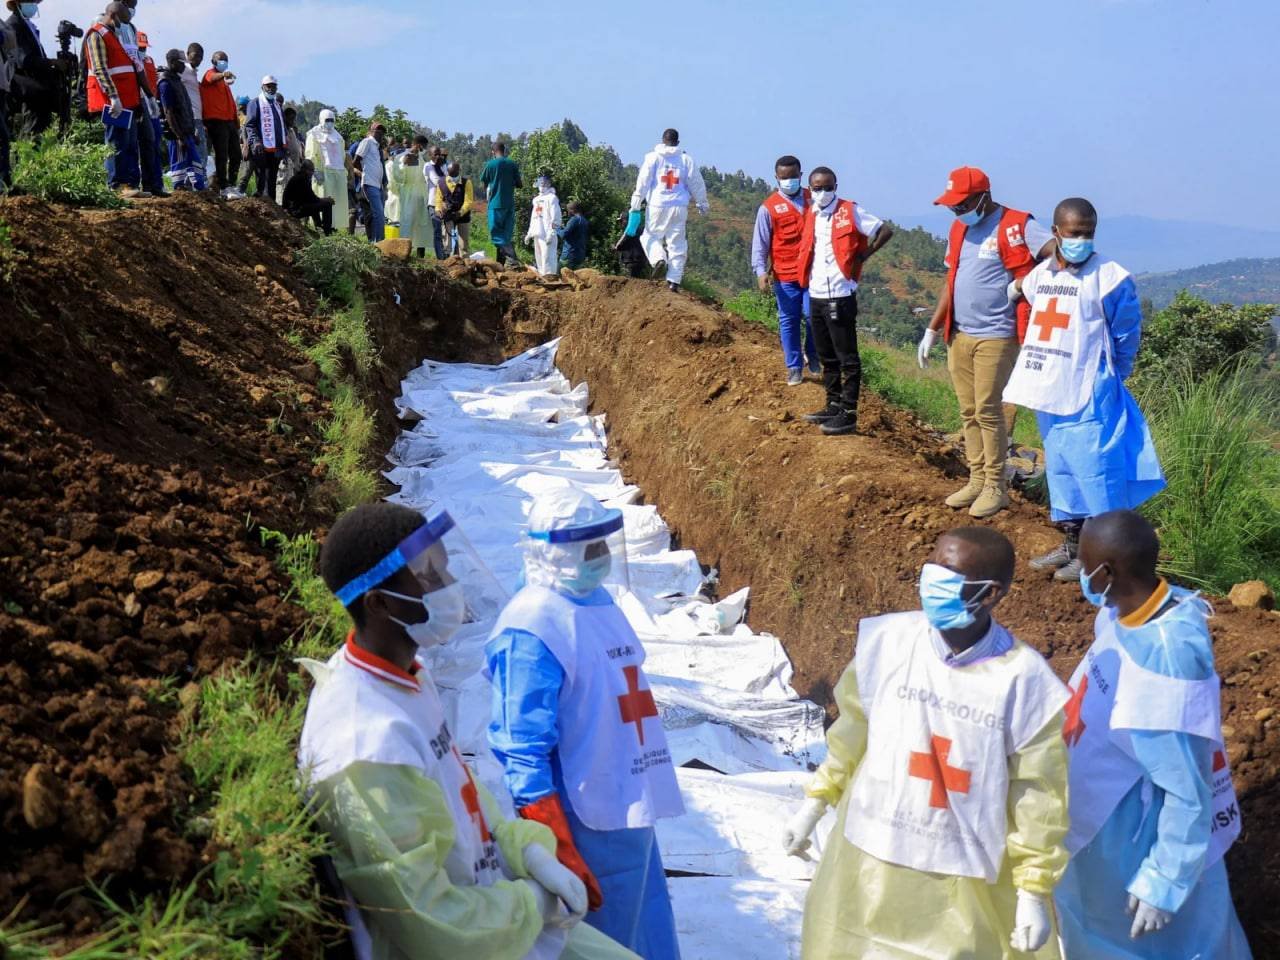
(152, 412)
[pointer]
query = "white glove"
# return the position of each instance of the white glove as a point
(705, 210)
(153, 108)
(926, 344)
(1146, 918)
(1030, 923)
(795, 837)
(117, 107)
(559, 880)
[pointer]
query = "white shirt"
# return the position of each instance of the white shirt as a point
(371, 160)
(434, 179)
(191, 81)
(826, 282)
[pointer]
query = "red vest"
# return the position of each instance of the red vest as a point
(122, 71)
(1011, 236)
(847, 241)
(153, 76)
(787, 243)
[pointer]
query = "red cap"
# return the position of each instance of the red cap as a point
(963, 183)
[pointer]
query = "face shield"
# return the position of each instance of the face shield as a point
(575, 545)
(457, 588)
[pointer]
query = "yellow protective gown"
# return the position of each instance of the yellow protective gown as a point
(415, 218)
(333, 179)
(862, 908)
(392, 832)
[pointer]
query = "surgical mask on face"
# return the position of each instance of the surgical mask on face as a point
(972, 217)
(823, 198)
(329, 124)
(544, 185)
(790, 186)
(1075, 249)
(588, 576)
(1086, 579)
(29, 10)
(942, 597)
(446, 609)
(220, 66)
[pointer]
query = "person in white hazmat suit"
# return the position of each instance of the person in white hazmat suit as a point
(668, 179)
(327, 150)
(545, 220)
(948, 773)
(433, 869)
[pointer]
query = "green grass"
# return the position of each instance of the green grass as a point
(700, 287)
(1219, 517)
(347, 347)
(347, 437)
(70, 170)
(327, 620)
(335, 264)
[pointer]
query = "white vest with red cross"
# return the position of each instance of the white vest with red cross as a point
(613, 751)
(1112, 697)
(1067, 336)
(931, 792)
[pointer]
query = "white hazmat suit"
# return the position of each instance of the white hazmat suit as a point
(668, 179)
(544, 222)
(328, 152)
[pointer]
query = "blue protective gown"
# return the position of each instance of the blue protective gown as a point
(524, 735)
(1102, 457)
(1157, 854)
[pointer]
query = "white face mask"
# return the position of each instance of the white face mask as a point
(446, 610)
(822, 198)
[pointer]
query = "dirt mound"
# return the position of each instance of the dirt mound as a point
(829, 530)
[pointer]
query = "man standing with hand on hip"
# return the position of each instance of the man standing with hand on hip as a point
(990, 245)
(776, 252)
(668, 179)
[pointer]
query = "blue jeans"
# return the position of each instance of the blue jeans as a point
(793, 318)
(149, 140)
(377, 225)
(122, 162)
(437, 237)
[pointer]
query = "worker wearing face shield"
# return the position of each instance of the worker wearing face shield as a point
(433, 870)
(575, 724)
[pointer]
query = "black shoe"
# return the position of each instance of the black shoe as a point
(673, 287)
(846, 422)
(829, 412)
(659, 270)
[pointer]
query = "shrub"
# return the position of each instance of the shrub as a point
(68, 171)
(755, 307)
(335, 264)
(1194, 336)
(1219, 516)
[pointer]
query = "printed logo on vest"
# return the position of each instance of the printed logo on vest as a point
(670, 178)
(636, 704)
(1014, 235)
(1073, 726)
(943, 778)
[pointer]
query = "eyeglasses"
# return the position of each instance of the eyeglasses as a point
(971, 203)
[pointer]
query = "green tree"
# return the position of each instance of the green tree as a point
(1201, 338)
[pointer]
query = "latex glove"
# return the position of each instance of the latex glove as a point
(796, 836)
(1146, 918)
(549, 905)
(1030, 923)
(559, 879)
(117, 107)
(763, 283)
(548, 811)
(704, 210)
(926, 344)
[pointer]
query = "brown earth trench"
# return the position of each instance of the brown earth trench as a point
(151, 417)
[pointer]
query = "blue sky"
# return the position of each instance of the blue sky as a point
(1163, 108)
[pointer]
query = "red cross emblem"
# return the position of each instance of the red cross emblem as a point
(1050, 320)
(1073, 726)
(933, 766)
(471, 800)
(636, 704)
(1219, 760)
(670, 178)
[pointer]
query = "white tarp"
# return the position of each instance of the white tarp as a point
(485, 441)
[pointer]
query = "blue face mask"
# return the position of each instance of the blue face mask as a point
(942, 597)
(220, 66)
(1086, 581)
(972, 217)
(29, 10)
(1075, 249)
(790, 186)
(588, 575)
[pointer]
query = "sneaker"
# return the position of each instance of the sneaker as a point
(1070, 573)
(1059, 556)
(131, 193)
(838, 426)
(829, 412)
(673, 286)
(990, 502)
(966, 495)
(795, 376)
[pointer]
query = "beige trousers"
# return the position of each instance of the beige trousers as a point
(980, 369)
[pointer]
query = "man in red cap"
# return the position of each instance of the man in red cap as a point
(990, 246)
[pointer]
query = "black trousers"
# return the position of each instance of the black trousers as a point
(835, 333)
(224, 141)
(320, 212)
(266, 168)
(6, 173)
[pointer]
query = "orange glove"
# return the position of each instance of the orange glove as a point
(548, 811)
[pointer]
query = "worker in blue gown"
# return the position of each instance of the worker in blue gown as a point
(1086, 324)
(1152, 806)
(575, 724)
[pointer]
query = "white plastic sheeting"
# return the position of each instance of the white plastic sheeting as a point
(487, 439)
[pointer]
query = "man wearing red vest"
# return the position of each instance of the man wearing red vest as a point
(112, 86)
(990, 245)
(839, 236)
(775, 257)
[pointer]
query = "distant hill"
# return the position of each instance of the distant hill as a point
(1233, 281)
(1147, 245)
